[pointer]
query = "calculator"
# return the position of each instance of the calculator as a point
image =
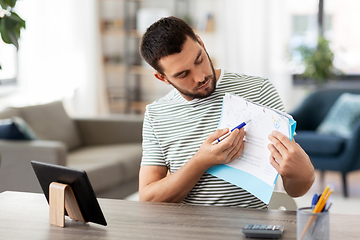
(263, 231)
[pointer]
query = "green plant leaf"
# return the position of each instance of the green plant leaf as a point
(10, 3)
(3, 31)
(13, 37)
(10, 32)
(318, 61)
(17, 19)
(3, 4)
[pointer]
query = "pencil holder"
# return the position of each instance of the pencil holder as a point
(312, 226)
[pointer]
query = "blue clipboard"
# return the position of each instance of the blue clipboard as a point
(247, 181)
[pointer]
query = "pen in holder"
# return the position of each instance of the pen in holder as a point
(312, 225)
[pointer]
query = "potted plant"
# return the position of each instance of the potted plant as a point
(318, 61)
(10, 23)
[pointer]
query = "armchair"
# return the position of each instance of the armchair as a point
(327, 152)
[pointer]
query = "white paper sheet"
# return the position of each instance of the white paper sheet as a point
(254, 161)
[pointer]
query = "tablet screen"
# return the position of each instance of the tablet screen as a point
(78, 181)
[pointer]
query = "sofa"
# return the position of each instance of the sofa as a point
(328, 129)
(107, 148)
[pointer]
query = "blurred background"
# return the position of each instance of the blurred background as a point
(86, 52)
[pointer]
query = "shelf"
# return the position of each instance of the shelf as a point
(124, 74)
(135, 107)
(121, 68)
(113, 32)
(115, 68)
(117, 107)
(119, 32)
(141, 70)
(139, 106)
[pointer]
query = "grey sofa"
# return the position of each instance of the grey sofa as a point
(108, 149)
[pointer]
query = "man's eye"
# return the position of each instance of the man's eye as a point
(183, 75)
(200, 59)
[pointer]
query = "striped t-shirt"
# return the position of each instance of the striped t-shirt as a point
(175, 128)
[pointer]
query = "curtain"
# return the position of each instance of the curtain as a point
(255, 35)
(58, 55)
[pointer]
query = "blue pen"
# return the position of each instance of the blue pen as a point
(226, 135)
(314, 201)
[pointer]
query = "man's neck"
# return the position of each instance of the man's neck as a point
(217, 74)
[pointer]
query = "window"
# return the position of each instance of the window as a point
(340, 24)
(8, 61)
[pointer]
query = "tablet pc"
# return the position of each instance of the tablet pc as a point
(78, 181)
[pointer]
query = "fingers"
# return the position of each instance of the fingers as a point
(274, 152)
(274, 163)
(233, 139)
(278, 148)
(228, 149)
(217, 134)
(280, 145)
(284, 140)
(235, 146)
(236, 152)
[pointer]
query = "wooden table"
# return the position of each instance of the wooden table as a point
(26, 216)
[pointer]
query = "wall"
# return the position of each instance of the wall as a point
(57, 55)
(59, 51)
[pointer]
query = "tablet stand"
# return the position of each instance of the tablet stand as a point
(62, 197)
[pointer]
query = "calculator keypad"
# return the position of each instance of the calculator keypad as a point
(263, 231)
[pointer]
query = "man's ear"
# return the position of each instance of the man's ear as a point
(161, 77)
(201, 42)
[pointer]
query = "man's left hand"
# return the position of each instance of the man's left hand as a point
(292, 163)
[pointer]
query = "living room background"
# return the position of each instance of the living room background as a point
(60, 50)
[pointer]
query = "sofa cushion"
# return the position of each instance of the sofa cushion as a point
(8, 130)
(107, 165)
(342, 116)
(319, 144)
(9, 113)
(51, 122)
(15, 128)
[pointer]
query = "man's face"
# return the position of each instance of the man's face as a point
(190, 71)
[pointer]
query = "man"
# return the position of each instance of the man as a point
(179, 128)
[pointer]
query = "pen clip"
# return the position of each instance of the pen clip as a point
(314, 201)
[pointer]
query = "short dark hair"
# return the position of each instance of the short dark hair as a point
(163, 38)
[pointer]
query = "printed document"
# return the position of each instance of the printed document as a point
(252, 170)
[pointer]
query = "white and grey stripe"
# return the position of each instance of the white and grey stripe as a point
(175, 128)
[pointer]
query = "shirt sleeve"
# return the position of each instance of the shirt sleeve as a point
(270, 97)
(152, 153)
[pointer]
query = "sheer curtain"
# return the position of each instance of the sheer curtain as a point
(59, 51)
(255, 36)
(58, 55)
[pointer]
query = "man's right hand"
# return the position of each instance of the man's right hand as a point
(223, 152)
(155, 184)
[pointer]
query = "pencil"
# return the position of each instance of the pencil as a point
(318, 208)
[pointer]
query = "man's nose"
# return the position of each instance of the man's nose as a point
(199, 76)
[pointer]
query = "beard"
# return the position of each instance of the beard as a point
(211, 87)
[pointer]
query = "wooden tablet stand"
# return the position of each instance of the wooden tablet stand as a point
(62, 197)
